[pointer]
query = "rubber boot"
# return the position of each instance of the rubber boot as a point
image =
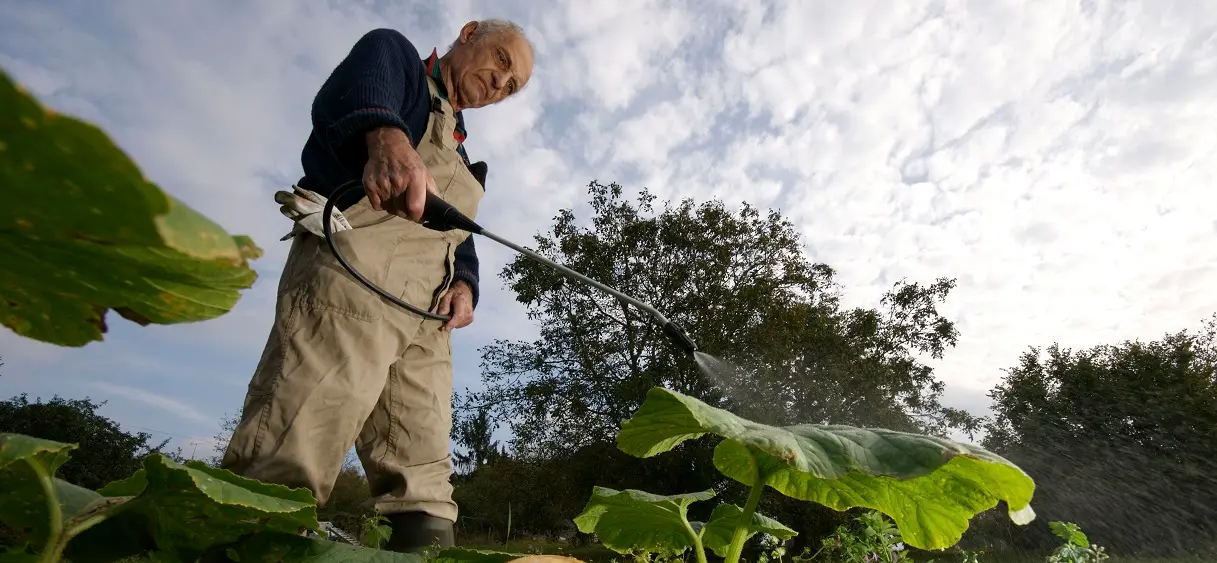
(414, 532)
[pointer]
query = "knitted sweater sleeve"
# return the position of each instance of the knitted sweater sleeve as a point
(466, 268)
(369, 89)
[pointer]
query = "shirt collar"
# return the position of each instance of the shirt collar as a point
(431, 63)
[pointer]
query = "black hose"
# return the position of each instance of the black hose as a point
(440, 215)
(326, 213)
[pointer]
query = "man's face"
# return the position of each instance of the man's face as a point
(488, 69)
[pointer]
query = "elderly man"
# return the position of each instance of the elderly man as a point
(342, 366)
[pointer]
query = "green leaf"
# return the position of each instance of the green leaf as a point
(466, 555)
(185, 509)
(633, 520)
(930, 486)
(47, 454)
(1070, 532)
(84, 232)
(24, 462)
(270, 547)
(716, 535)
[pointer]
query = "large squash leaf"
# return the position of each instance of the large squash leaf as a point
(82, 232)
(187, 509)
(24, 463)
(930, 486)
(27, 477)
(632, 520)
(716, 534)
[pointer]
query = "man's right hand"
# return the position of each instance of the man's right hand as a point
(395, 178)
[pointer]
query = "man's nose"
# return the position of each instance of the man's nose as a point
(500, 79)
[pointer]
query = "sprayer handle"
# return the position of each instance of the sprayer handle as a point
(439, 215)
(434, 211)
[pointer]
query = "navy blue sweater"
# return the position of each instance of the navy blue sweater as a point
(380, 83)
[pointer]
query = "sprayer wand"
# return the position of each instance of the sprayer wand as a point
(440, 215)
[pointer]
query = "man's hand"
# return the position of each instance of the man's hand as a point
(458, 302)
(395, 178)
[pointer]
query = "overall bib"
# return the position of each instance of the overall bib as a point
(344, 367)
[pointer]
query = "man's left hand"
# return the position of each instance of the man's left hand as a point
(457, 301)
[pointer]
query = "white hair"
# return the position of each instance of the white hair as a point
(492, 27)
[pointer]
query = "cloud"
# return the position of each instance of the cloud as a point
(168, 404)
(1055, 157)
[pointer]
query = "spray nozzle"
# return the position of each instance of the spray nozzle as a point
(678, 334)
(440, 215)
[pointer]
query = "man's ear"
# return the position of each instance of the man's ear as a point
(468, 30)
(479, 169)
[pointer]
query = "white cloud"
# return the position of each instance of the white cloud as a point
(167, 404)
(1056, 157)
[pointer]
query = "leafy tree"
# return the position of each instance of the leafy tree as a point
(741, 284)
(475, 433)
(228, 425)
(106, 452)
(1121, 439)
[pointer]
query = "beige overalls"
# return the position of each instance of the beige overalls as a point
(343, 366)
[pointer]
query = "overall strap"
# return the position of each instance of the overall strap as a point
(443, 119)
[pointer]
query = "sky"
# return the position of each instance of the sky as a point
(1057, 157)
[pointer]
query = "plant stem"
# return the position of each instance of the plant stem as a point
(745, 522)
(698, 548)
(51, 551)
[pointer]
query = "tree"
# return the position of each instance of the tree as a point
(228, 425)
(1122, 439)
(741, 284)
(475, 433)
(105, 452)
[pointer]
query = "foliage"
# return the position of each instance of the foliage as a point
(228, 425)
(107, 239)
(475, 433)
(111, 453)
(929, 486)
(345, 506)
(871, 540)
(1077, 548)
(374, 530)
(1114, 433)
(502, 497)
(627, 521)
(166, 511)
(739, 281)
